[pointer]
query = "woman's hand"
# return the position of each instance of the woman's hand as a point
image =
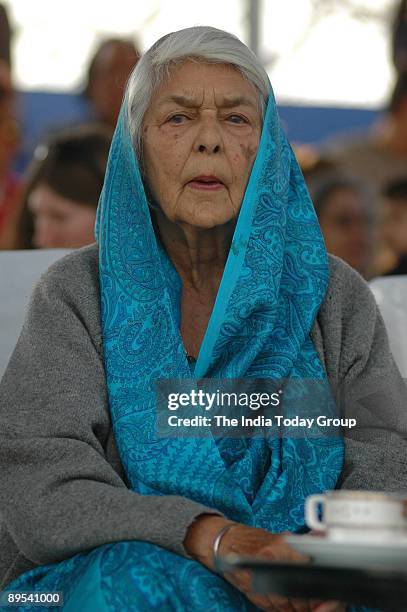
(249, 541)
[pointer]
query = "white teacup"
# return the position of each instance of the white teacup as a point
(364, 516)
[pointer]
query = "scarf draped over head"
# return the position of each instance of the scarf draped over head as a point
(273, 284)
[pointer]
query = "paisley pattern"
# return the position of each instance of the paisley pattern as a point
(274, 281)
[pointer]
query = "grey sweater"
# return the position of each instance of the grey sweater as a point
(62, 486)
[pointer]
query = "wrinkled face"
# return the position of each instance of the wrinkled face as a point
(200, 137)
(347, 228)
(58, 221)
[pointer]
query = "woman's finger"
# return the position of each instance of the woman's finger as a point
(282, 604)
(262, 602)
(301, 605)
(331, 606)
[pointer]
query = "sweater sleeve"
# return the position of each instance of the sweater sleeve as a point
(369, 387)
(58, 493)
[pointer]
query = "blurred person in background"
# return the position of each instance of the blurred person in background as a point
(62, 189)
(10, 184)
(395, 223)
(314, 167)
(346, 220)
(379, 156)
(108, 72)
(5, 36)
(399, 38)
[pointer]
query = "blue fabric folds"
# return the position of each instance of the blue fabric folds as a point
(274, 281)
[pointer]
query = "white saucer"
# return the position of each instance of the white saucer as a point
(324, 551)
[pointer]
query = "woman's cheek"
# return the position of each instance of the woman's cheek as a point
(248, 151)
(242, 166)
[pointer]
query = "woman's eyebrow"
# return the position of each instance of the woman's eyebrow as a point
(192, 102)
(232, 101)
(181, 100)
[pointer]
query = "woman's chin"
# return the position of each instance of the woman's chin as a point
(208, 222)
(208, 217)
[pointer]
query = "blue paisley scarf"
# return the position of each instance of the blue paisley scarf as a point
(273, 284)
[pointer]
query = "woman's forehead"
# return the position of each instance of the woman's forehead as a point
(191, 82)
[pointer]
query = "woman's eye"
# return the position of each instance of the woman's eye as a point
(178, 119)
(238, 119)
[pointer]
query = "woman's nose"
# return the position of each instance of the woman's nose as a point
(203, 148)
(209, 138)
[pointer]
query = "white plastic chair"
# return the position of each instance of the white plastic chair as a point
(391, 296)
(19, 272)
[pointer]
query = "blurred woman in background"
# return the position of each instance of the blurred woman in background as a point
(395, 224)
(62, 189)
(10, 185)
(346, 218)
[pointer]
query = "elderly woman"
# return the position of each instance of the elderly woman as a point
(209, 263)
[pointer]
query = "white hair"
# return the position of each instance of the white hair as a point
(201, 43)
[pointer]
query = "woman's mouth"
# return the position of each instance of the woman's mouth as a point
(206, 183)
